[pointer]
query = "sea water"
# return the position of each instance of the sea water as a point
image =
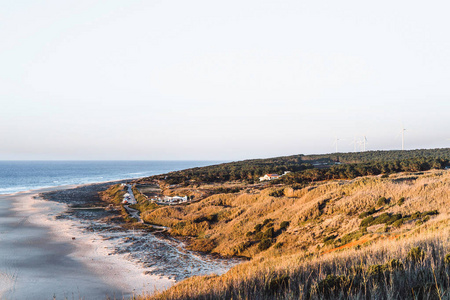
(17, 176)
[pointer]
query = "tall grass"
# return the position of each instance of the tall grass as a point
(382, 271)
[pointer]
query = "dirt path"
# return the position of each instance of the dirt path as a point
(133, 213)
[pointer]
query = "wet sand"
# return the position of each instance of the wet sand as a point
(156, 252)
(39, 259)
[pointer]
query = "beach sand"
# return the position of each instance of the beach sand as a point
(39, 259)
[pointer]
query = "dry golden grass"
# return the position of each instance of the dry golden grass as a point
(222, 223)
(314, 212)
(302, 273)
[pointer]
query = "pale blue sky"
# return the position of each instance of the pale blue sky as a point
(220, 80)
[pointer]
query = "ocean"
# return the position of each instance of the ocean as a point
(17, 176)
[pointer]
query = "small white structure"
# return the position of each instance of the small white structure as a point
(272, 176)
(269, 177)
(171, 200)
(175, 199)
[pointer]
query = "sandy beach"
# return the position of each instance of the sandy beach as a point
(42, 257)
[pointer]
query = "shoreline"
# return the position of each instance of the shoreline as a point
(43, 189)
(103, 259)
(78, 269)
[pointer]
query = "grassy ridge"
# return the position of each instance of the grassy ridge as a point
(324, 250)
(234, 223)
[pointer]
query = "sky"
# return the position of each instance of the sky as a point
(220, 80)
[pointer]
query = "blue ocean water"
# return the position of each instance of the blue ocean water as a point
(17, 176)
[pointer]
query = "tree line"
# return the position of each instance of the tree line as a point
(307, 168)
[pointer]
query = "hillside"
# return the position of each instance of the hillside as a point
(331, 238)
(228, 224)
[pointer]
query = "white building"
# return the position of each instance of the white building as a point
(269, 177)
(175, 199)
(272, 176)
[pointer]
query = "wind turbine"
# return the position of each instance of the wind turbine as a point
(336, 140)
(403, 138)
(364, 143)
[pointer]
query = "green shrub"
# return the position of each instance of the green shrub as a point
(426, 214)
(416, 255)
(329, 239)
(267, 221)
(209, 218)
(447, 259)
(363, 215)
(416, 215)
(430, 213)
(268, 233)
(367, 213)
(258, 227)
(259, 235)
(265, 244)
(284, 225)
(381, 219)
(249, 233)
(426, 219)
(394, 218)
(351, 236)
(398, 223)
(382, 201)
(419, 222)
(401, 201)
(384, 218)
(367, 221)
(278, 245)
(277, 193)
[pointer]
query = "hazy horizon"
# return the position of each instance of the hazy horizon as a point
(201, 80)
